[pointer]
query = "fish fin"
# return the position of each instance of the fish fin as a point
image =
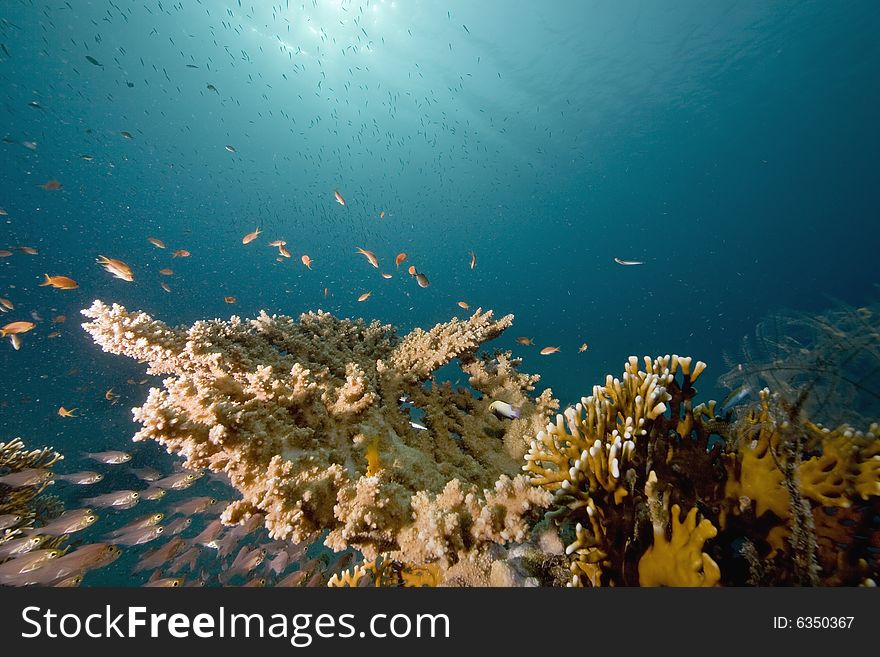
(515, 412)
(47, 281)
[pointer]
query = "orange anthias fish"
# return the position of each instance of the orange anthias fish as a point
(116, 267)
(384, 275)
(250, 237)
(583, 348)
(16, 327)
(28, 249)
(473, 259)
(400, 258)
(5, 253)
(63, 412)
(370, 256)
(546, 351)
(181, 253)
(422, 280)
(6, 303)
(51, 185)
(382, 214)
(463, 304)
(155, 241)
(230, 299)
(412, 270)
(339, 198)
(528, 342)
(277, 243)
(165, 286)
(60, 282)
(166, 271)
(364, 296)
(283, 251)
(307, 261)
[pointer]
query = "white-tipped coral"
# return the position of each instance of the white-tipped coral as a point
(594, 459)
(586, 448)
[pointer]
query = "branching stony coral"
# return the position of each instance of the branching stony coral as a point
(305, 418)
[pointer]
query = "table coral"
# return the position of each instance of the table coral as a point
(306, 419)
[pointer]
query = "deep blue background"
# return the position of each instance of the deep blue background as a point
(731, 146)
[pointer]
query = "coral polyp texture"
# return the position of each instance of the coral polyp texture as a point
(311, 420)
(650, 489)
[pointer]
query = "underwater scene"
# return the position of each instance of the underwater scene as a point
(416, 293)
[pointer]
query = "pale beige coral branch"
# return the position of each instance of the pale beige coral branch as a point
(288, 408)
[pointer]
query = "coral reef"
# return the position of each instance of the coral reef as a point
(337, 429)
(32, 550)
(311, 422)
(771, 498)
(808, 495)
(26, 505)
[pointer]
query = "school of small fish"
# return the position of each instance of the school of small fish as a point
(180, 537)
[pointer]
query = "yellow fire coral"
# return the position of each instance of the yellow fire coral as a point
(762, 487)
(305, 417)
(756, 477)
(385, 572)
(847, 467)
(841, 465)
(592, 458)
(679, 560)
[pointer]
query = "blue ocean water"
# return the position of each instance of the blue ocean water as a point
(729, 146)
